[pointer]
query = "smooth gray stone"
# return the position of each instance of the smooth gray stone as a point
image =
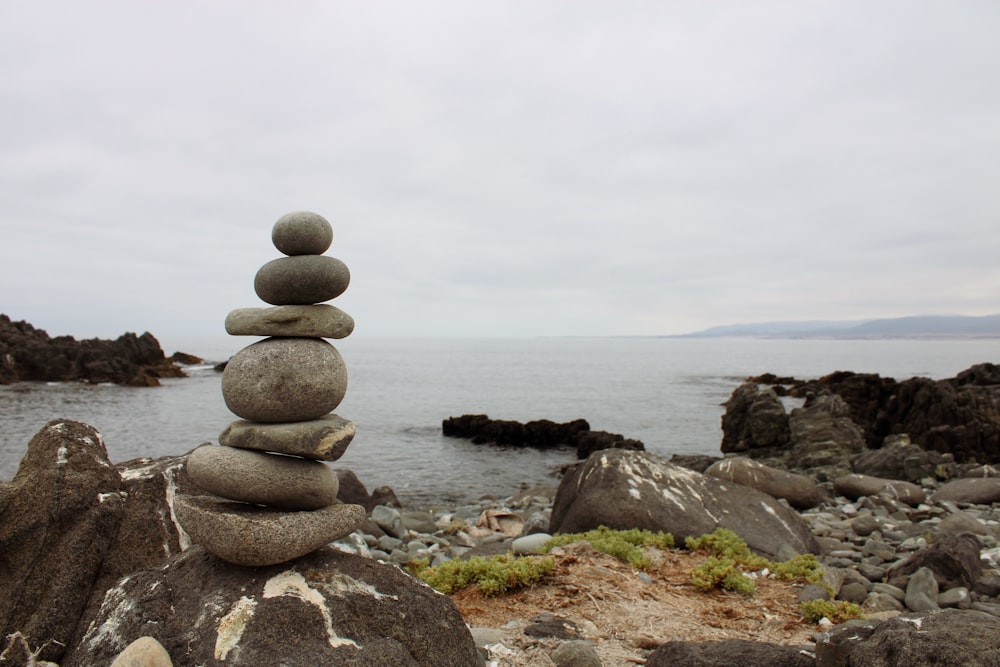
(326, 438)
(922, 591)
(284, 380)
(313, 321)
(955, 597)
(388, 519)
(284, 482)
(252, 535)
(302, 279)
(530, 544)
(302, 233)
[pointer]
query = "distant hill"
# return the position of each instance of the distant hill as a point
(919, 326)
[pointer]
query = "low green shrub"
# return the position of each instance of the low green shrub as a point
(721, 572)
(625, 545)
(492, 576)
(837, 611)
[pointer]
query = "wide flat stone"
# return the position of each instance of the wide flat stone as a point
(302, 279)
(325, 438)
(284, 482)
(302, 233)
(284, 380)
(252, 535)
(312, 321)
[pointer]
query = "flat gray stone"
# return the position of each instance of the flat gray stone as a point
(855, 486)
(302, 279)
(255, 536)
(284, 380)
(302, 233)
(976, 491)
(284, 482)
(312, 321)
(325, 438)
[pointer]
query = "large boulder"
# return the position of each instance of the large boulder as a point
(953, 559)
(325, 608)
(824, 437)
(800, 491)
(949, 637)
(625, 489)
(974, 490)
(58, 518)
(755, 417)
(898, 458)
(27, 353)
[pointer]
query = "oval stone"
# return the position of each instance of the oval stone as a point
(303, 279)
(285, 482)
(313, 321)
(256, 536)
(325, 438)
(284, 380)
(302, 233)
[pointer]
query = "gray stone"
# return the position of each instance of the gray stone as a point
(856, 486)
(418, 522)
(530, 544)
(755, 417)
(871, 572)
(961, 522)
(143, 652)
(302, 233)
(577, 653)
(326, 608)
(250, 535)
(853, 592)
(878, 602)
(301, 280)
(922, 591)
(388, 519)
(865, 524)
(813, 592)
(800, 491)
(284, 380)
(955, 597)
(310, 321)
(976, 491)
(284, 482)
(625, 489)
(954, 561)
(326, 438)
(729, 652)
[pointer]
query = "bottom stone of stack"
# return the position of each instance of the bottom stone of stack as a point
(251, 535)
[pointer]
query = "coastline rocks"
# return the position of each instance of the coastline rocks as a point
(29, 354)
(755, 417)
(541, 433)
(800, 491)
(58, 518)
(326, 608)
(250, 535)
(899, 459)
(623, 489)
(284, 380)
(313, 321)
(824, 437)
(301, 280)
(325, 438)
(285, 482)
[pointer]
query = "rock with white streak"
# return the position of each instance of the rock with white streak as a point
(310, 321)
(327, 608)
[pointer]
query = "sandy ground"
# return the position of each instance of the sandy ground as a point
(626, 617)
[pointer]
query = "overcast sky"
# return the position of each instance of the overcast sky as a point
(501, 168)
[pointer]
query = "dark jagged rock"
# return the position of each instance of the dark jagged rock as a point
(29, 354)
(542, 434)
(729, 652)
(954, 562)
(755, 418)
(325, 608)
(899, 459)
(624, 489)
(58, 518)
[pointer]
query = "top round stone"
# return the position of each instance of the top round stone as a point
(302, 233)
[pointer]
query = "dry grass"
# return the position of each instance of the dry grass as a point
(626, 617)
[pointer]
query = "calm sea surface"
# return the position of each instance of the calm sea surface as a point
(665, 392)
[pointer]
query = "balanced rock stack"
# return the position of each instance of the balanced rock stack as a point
(272, 497)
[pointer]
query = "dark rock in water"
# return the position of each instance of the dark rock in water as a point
(58, 518)
(864, 394)
(729, 652)
(185, 358)
(542, 434)
(800, 491)
(755, 417)
(323, 609)
(625, 489)
(29, 354)
(588, 442)
(949, 637)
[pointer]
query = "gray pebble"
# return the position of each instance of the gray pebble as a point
(302, 233)
(301, 280)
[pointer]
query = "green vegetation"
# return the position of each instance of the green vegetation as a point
(837, 611)
(722, 573)
(493, 576)
(625, 545)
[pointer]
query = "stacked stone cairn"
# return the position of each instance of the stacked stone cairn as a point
(269, 496)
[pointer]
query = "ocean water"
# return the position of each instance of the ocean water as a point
(666, 392)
